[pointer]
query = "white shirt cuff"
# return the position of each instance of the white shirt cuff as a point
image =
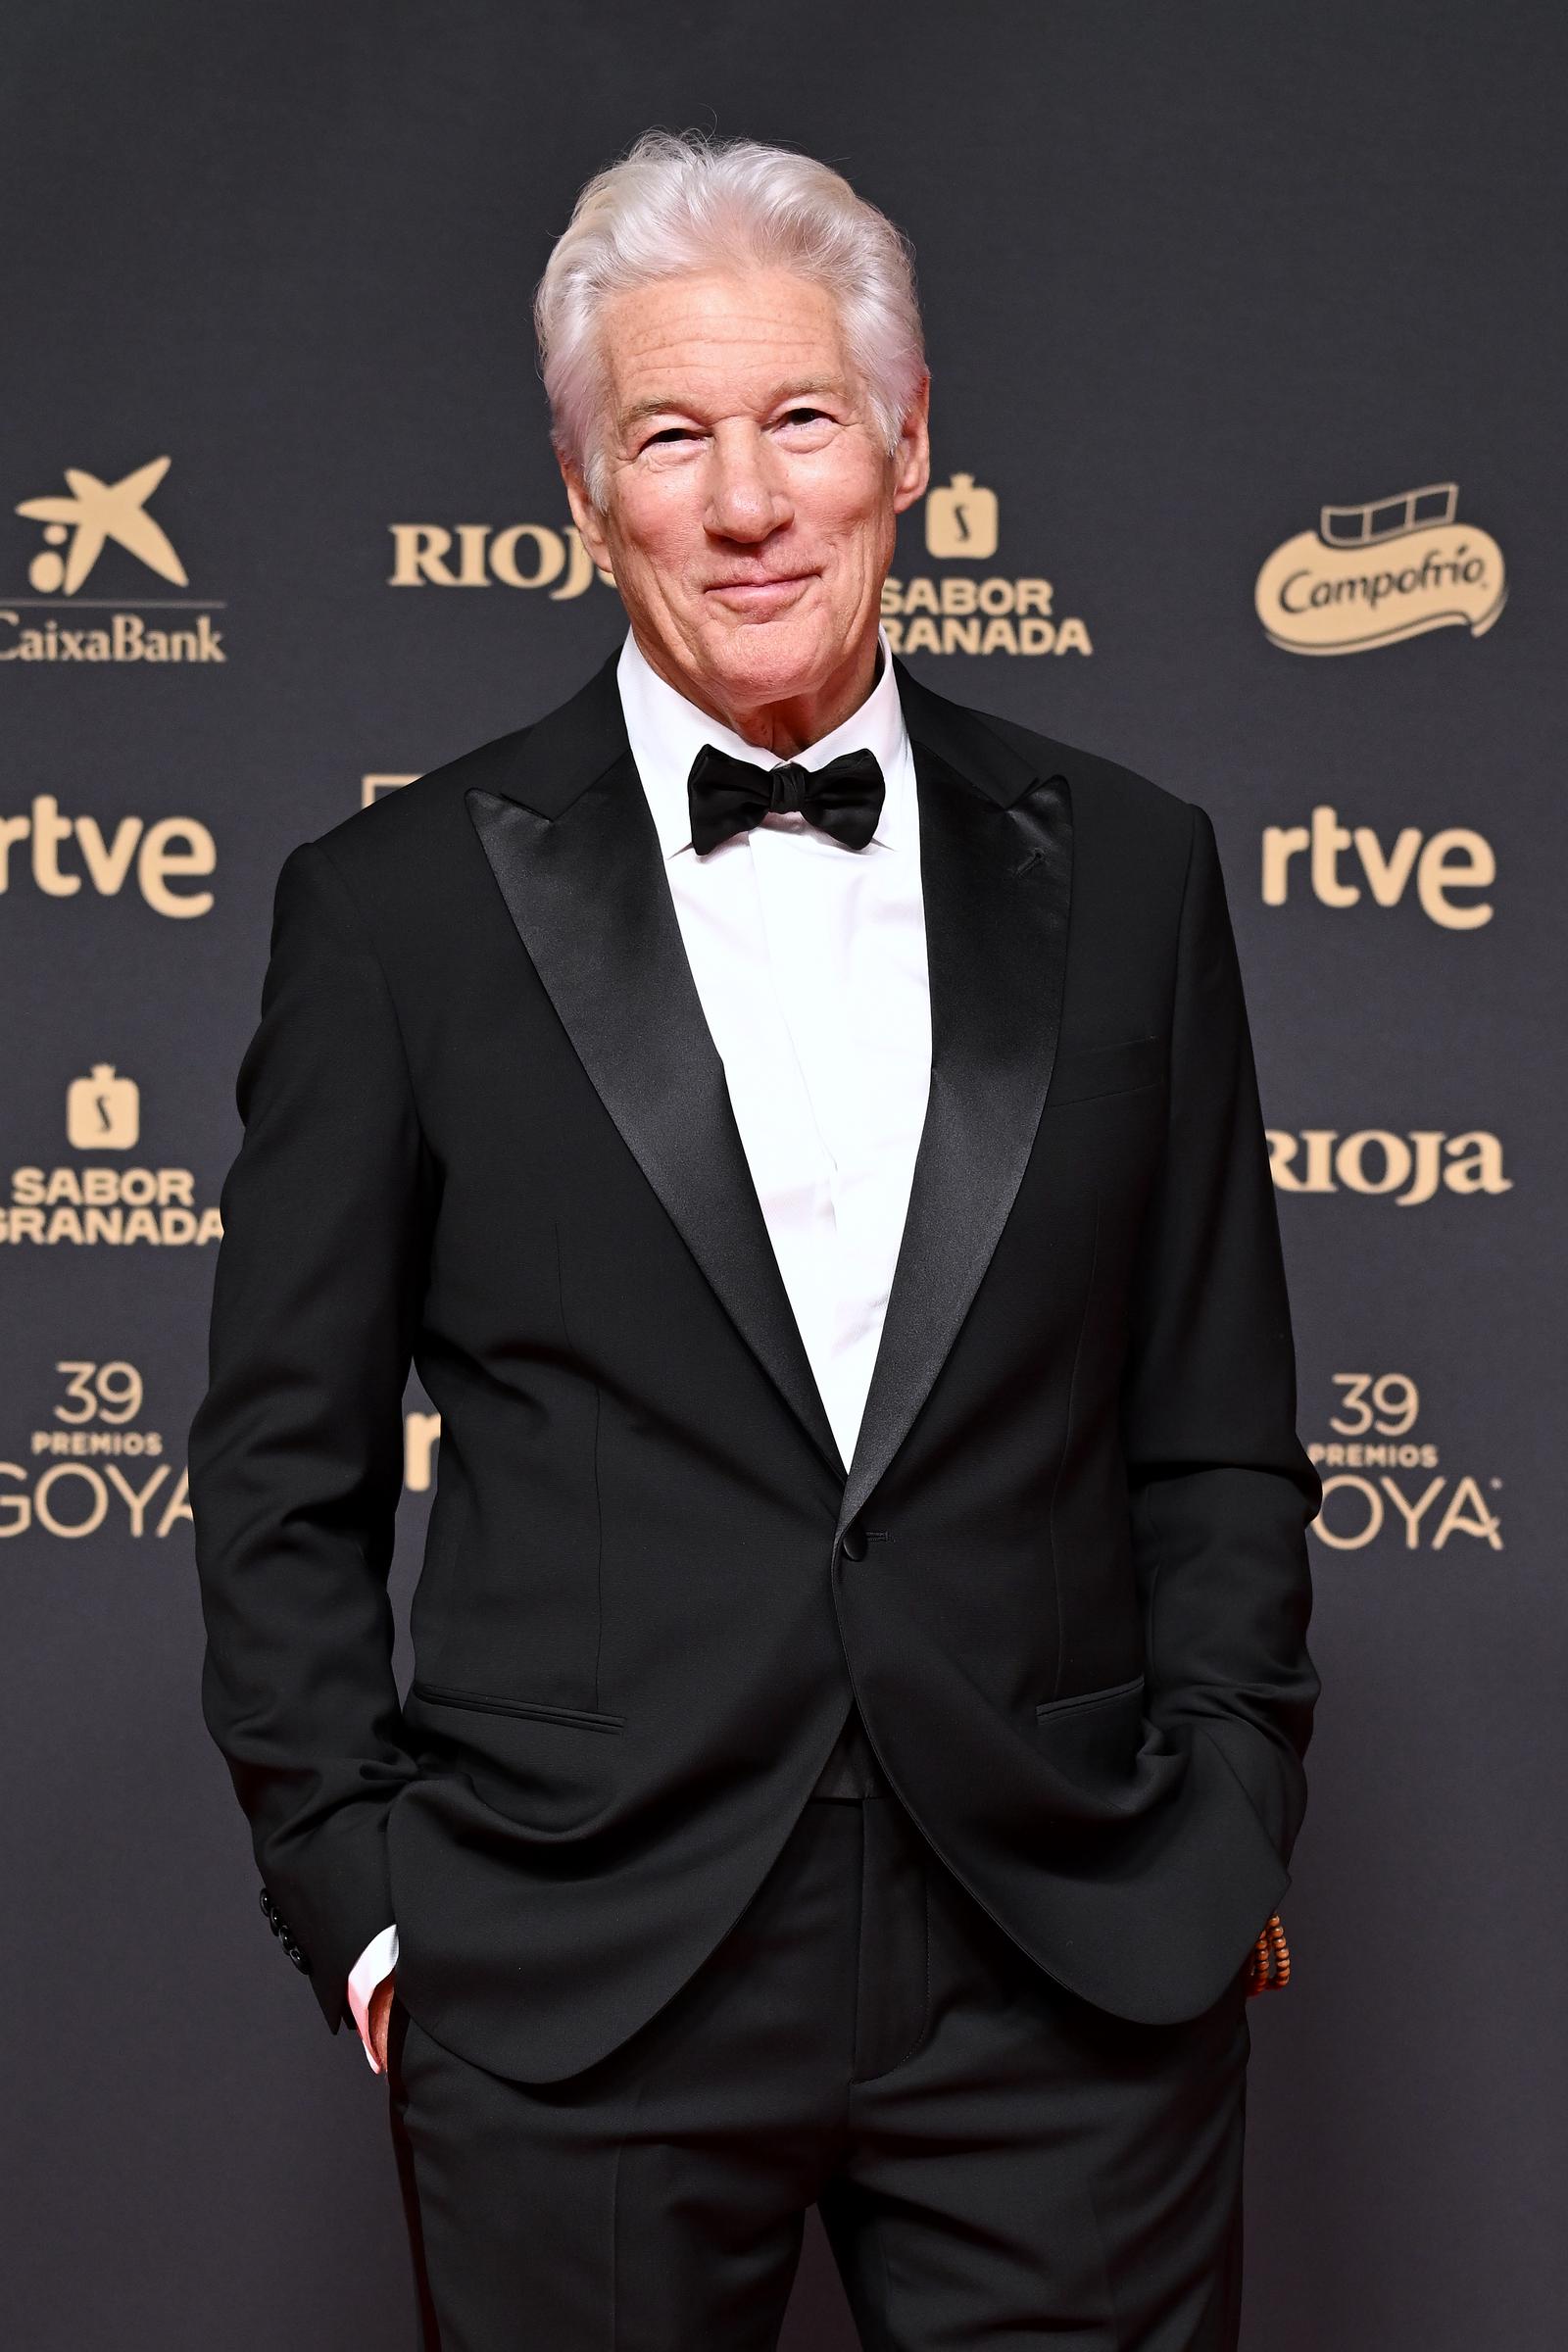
(378, 1960)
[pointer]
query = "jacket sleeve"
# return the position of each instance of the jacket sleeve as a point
(1221, 1489)
(295, 1452)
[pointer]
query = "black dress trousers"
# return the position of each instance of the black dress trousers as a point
(997, 2162)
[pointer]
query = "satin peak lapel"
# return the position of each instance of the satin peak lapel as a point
(996, 868)
(585, 887)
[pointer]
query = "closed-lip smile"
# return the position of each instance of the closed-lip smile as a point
(774, 588)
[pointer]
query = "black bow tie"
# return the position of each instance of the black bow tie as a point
(729, 796)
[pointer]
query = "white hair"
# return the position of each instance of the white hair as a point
(683, 201)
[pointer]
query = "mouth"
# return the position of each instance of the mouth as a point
(761, 596)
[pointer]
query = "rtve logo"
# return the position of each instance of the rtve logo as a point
(76, 530)
(1454, 860)
(159, 855)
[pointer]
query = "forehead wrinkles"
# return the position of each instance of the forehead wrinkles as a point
(697, 350)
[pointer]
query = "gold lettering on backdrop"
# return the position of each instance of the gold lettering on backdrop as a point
(1374, 1422)
(94, 1464)
(1376, 573)
(950, 613)
(162, 852)
(1373, 1160)
(106, 1202)
(958, 612)
(78, 527)
(523, 555)
(1457, 859)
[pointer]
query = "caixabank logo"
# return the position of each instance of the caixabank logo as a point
(1385, 1484)
(100, 536)
(1374, 573)
(102, 1198)
(975, 604)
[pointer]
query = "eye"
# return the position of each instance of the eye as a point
(804, 416)
(668, 432)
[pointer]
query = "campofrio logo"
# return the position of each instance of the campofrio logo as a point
(78, 528)
(1372, 574)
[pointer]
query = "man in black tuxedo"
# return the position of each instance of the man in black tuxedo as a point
(805, 1133)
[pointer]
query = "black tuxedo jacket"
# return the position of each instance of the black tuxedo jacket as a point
(1065, 1577)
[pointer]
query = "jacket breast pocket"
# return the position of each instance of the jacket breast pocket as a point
(1115, 1069)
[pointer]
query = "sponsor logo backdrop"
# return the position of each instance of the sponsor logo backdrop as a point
(1242, 328)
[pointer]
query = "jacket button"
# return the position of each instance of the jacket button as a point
(852, 1542)
(298, 1957)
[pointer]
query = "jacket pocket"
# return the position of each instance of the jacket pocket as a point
(585, 1719)
(1115, 1069)
(1093, 1737)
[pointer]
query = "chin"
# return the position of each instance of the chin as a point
(772, 660)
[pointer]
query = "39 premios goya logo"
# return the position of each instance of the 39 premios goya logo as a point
(100, 537)
(102, 1197)
(1384, 1484)
(1371, 574)
(93, 1465)
(975, 604)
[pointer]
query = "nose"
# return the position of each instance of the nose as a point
(747, 498)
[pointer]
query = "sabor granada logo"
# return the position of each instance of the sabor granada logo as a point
(1371, 574)
(77, 529)
(957, 612)
(106, 1202)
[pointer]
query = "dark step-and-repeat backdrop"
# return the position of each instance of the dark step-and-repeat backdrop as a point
(1248, 339)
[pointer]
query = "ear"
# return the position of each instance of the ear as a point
(912, 460)
(585, 515)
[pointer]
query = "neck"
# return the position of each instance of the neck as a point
(792, 723)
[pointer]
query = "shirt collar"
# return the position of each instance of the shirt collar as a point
(666, 732)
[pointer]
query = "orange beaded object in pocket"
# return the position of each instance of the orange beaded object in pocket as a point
(1268, 1964)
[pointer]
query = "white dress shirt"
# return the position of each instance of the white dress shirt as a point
(809, 960)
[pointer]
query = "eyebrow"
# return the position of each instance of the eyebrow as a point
(658, 405)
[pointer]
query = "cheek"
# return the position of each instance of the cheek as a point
(665, 536)
(852, 513)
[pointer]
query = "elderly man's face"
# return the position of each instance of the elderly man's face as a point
(750, 509)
